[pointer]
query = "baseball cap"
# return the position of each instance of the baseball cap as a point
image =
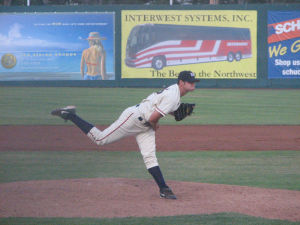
(187, 76)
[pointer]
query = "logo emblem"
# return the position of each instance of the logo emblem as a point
(8, 61)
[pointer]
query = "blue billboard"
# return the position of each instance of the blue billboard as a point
(57, 46)
(284, 44)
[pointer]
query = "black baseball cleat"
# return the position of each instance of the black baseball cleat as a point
(64, 112)
(167, 193)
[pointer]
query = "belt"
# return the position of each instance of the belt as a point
(140, 118)
(147, 124)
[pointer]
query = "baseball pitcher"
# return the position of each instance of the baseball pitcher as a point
(141, 120)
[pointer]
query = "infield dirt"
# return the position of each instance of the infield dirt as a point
(168, 138)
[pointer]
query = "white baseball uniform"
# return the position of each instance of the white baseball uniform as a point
(132, 122)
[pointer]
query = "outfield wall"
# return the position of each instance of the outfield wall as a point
(272, 62)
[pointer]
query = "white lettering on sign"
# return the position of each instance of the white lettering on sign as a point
(279, 62)
(287, 27)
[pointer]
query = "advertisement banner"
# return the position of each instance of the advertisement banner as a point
(284, 44)
(57, 46)
(214, 44)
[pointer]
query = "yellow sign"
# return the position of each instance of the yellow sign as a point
(214, 44)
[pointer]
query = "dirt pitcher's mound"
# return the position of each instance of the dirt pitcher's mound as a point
(119, 197)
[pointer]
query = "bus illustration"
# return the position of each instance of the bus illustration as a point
(161, 45)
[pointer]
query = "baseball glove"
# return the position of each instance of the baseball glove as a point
(184, 110)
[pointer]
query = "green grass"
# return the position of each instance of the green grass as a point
(213, 219)
(31, 105)
(269, 169)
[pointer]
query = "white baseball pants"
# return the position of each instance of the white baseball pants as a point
(129, 123)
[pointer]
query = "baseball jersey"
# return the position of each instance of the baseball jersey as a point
(164, 102)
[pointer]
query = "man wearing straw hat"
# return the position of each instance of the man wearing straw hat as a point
(93, 58)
